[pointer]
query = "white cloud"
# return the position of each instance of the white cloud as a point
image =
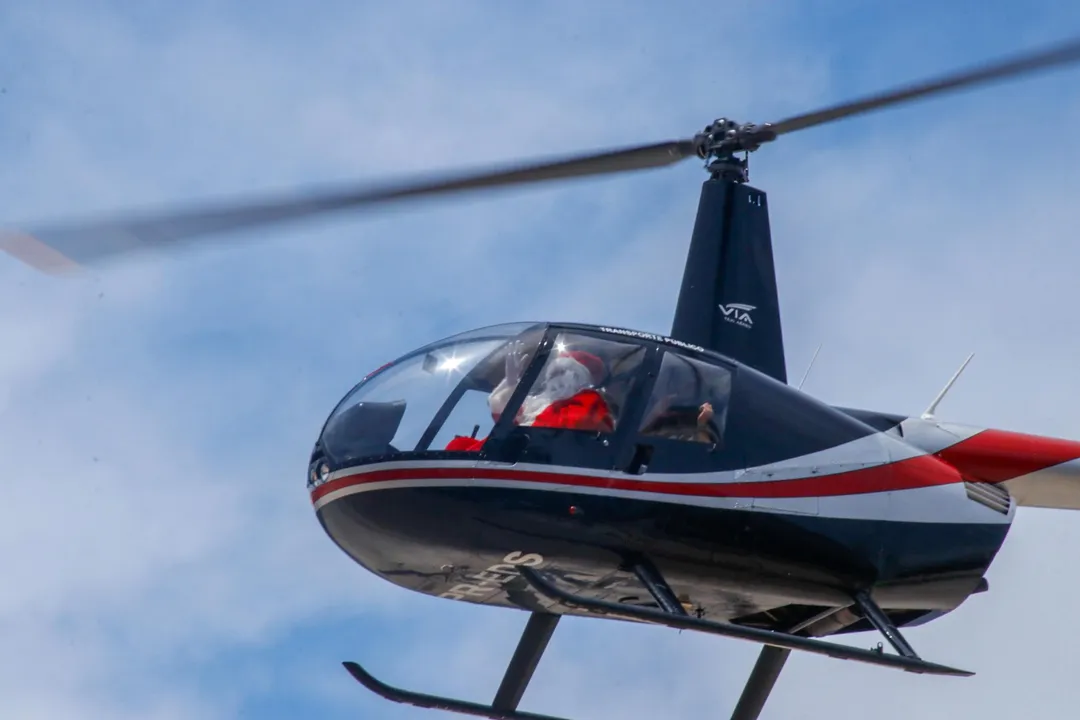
(198, 382)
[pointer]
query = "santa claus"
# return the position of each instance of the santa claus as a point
(564, 397)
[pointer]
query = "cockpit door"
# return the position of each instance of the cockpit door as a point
(682, 429)
(687, 436)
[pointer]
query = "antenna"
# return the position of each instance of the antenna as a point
(809, 367)
(929, 414)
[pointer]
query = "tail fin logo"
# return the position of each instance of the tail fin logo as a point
(738, 313)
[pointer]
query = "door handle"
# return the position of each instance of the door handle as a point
(639, 463)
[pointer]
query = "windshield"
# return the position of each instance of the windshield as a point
(447, 384)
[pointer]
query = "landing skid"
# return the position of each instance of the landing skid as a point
(519, 672)
(778, 645)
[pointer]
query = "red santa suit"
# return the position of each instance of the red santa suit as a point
(563, 399)
(586, 410)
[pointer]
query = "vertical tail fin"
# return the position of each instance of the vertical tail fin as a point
(728, 301)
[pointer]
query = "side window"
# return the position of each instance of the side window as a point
(583, 385)
(689, 401)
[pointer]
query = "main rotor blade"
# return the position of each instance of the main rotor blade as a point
(1059, 55)
(61, 247)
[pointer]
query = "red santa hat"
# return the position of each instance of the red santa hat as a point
(592, 363)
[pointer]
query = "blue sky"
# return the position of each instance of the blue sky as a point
(161, 559)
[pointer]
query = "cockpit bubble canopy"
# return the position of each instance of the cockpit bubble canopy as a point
(449, 396)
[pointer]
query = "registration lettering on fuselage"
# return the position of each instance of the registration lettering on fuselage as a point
(493, 578)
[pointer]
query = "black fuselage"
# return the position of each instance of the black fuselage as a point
(797, 506)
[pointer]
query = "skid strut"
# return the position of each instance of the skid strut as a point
(530, 649)
(760, 683)
(884, 625)
(778, 646)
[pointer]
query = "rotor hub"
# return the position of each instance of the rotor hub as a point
(725, 137)
(721, 139)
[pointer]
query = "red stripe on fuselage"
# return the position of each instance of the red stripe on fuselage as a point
(995, 456)
(917, 472)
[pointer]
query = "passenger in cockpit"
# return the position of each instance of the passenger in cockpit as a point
(564, 397)
(676, 424)
(676, 411)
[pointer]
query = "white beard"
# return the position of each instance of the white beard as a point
(564, 377)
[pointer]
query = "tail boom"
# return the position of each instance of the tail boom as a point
(1037, 471)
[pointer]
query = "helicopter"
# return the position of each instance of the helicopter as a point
(565, 469)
